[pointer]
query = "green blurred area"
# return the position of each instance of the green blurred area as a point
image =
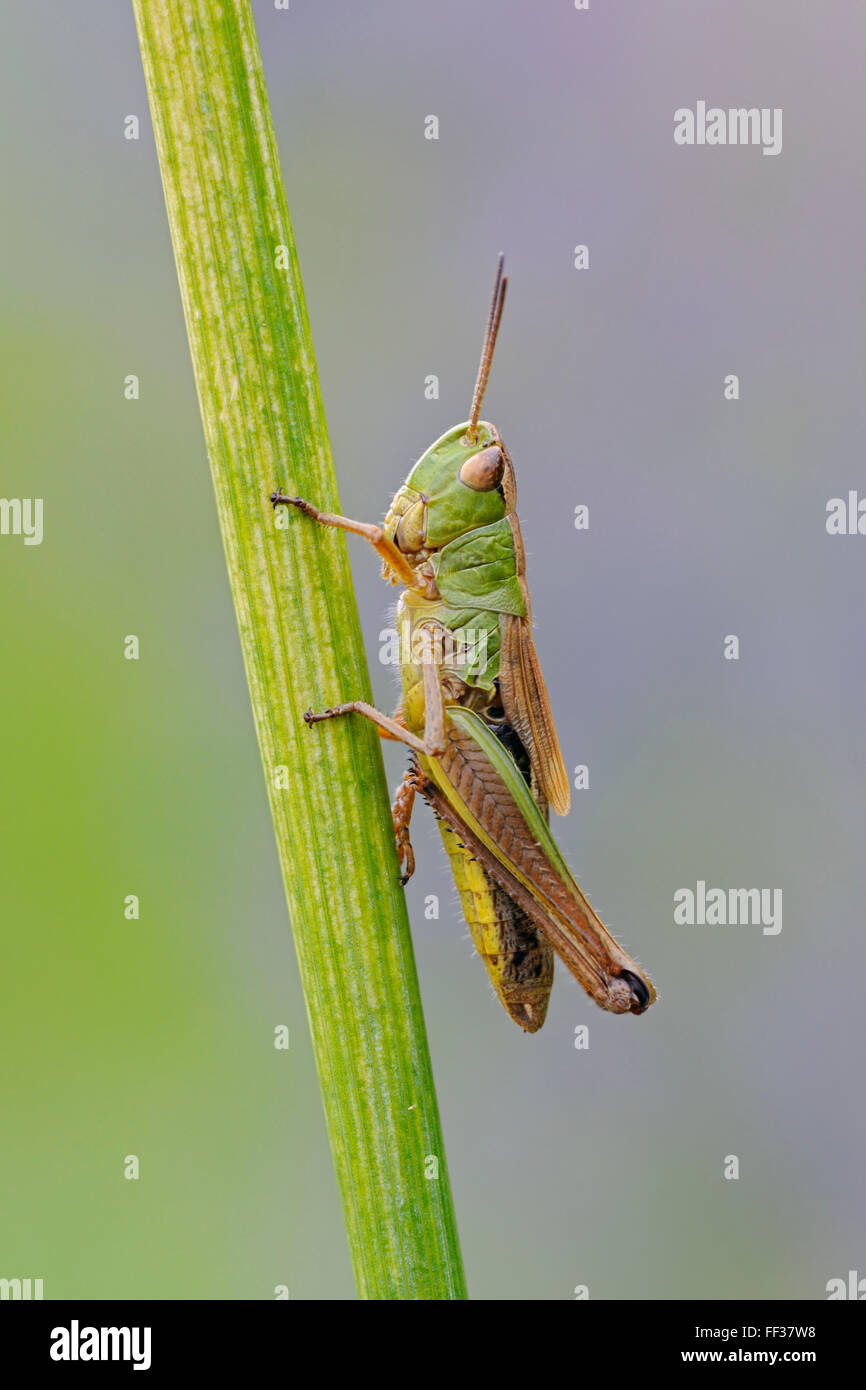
(155, 1036)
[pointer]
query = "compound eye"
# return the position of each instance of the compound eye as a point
(483, 471)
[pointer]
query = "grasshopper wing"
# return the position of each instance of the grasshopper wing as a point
(527, 709)
(476, 788)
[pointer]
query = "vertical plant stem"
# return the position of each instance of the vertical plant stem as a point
(264, 424)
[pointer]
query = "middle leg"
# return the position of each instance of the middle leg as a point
(401, 810)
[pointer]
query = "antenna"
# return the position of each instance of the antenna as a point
(490, 333)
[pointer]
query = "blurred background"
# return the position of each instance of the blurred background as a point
(154, 1037)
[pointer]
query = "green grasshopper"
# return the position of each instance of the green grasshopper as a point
(476, 716)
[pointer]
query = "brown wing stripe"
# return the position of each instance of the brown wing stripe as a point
(557, 908)
(487, 797)
(527, 708)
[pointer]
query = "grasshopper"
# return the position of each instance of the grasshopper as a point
(476, 717)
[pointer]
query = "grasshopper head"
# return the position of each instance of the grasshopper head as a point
(456, 486)
(465, 479)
